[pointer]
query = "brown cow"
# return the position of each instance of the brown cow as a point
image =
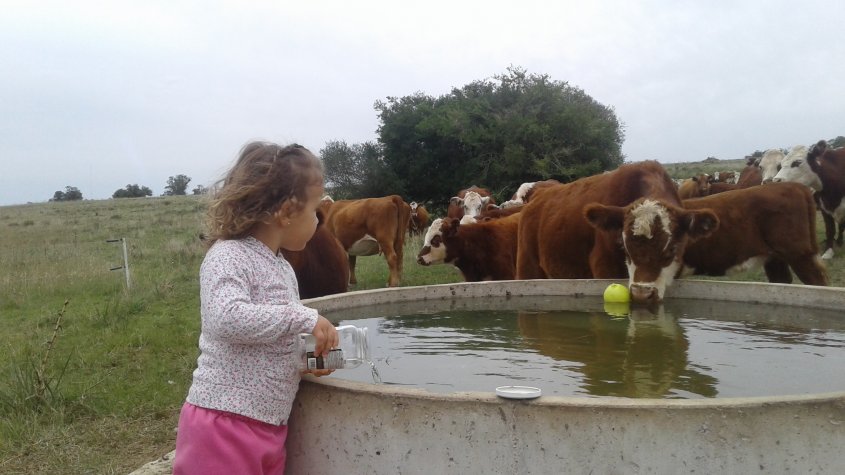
(751, 175)
(773, 225)
(481, 251)
(694, 187)
(368, 226)
(322, 267)
(717, 188)
(558, 236)
(494, 212)
(419, 219)
(469, 201)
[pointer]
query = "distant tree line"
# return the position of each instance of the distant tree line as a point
(495, 133)
(176, 185)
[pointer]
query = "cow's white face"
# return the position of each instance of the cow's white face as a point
(794, 167)
(650, 226)
(654, 237)
(473, 203)
(769, 164)
(434, 249)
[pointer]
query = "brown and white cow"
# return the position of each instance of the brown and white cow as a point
(772, 225)
(368, 226)
(481, 251)
(655, 233)
(322, 267)
(694, 187)
(728, 176)
(524, 192)
(574, 230)
(823, 170)
(419, 219)
(469, 202)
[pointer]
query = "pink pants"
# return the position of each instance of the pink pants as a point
(212, 442)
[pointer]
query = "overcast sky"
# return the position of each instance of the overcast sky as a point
(98, 95)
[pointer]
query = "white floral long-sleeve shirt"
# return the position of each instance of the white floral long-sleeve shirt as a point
(251, 317)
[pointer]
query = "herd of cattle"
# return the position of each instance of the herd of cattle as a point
(633, 222)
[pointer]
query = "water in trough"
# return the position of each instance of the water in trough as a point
(569, 346)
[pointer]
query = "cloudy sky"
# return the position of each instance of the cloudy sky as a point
(98, 95)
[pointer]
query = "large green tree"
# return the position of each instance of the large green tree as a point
(357, 171)
(177, 185)
(496, 133)
(71, 193)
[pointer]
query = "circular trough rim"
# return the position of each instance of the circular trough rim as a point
(786, 294)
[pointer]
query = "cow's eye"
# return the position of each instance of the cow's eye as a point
(778, 166)
(435, 241)
(796, 163)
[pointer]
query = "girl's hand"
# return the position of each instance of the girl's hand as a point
(325, 336)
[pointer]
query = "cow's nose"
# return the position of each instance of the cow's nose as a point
(423, 252)
(644, 294)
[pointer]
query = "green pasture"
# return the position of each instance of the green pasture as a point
(92, 375)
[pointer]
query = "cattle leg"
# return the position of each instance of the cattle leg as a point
(393, 265)
(810, 270)
(777, 271)
(352, 279)
(829, 232)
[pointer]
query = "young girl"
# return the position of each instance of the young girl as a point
(235, 416)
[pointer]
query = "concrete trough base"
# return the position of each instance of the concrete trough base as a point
(341, 426)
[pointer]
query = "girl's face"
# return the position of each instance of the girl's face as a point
(303, 223)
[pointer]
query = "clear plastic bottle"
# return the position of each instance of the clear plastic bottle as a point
(353, 349)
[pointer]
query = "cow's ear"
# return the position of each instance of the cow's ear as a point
(699, 223)
(608, 218)
(456, 201)
(817, 150)
(485, 200)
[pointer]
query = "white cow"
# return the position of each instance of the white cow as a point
(769, 163)
(794, 167)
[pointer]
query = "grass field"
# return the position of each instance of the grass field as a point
(93, 375)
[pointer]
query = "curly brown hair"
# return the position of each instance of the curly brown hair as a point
(265, 176)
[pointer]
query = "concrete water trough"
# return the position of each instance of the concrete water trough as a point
(349, 427)
(340, 426)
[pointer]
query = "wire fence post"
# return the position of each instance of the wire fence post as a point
(125, 265)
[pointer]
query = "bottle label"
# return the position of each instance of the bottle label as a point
(333, 361)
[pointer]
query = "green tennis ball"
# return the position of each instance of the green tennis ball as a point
(617, 293)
